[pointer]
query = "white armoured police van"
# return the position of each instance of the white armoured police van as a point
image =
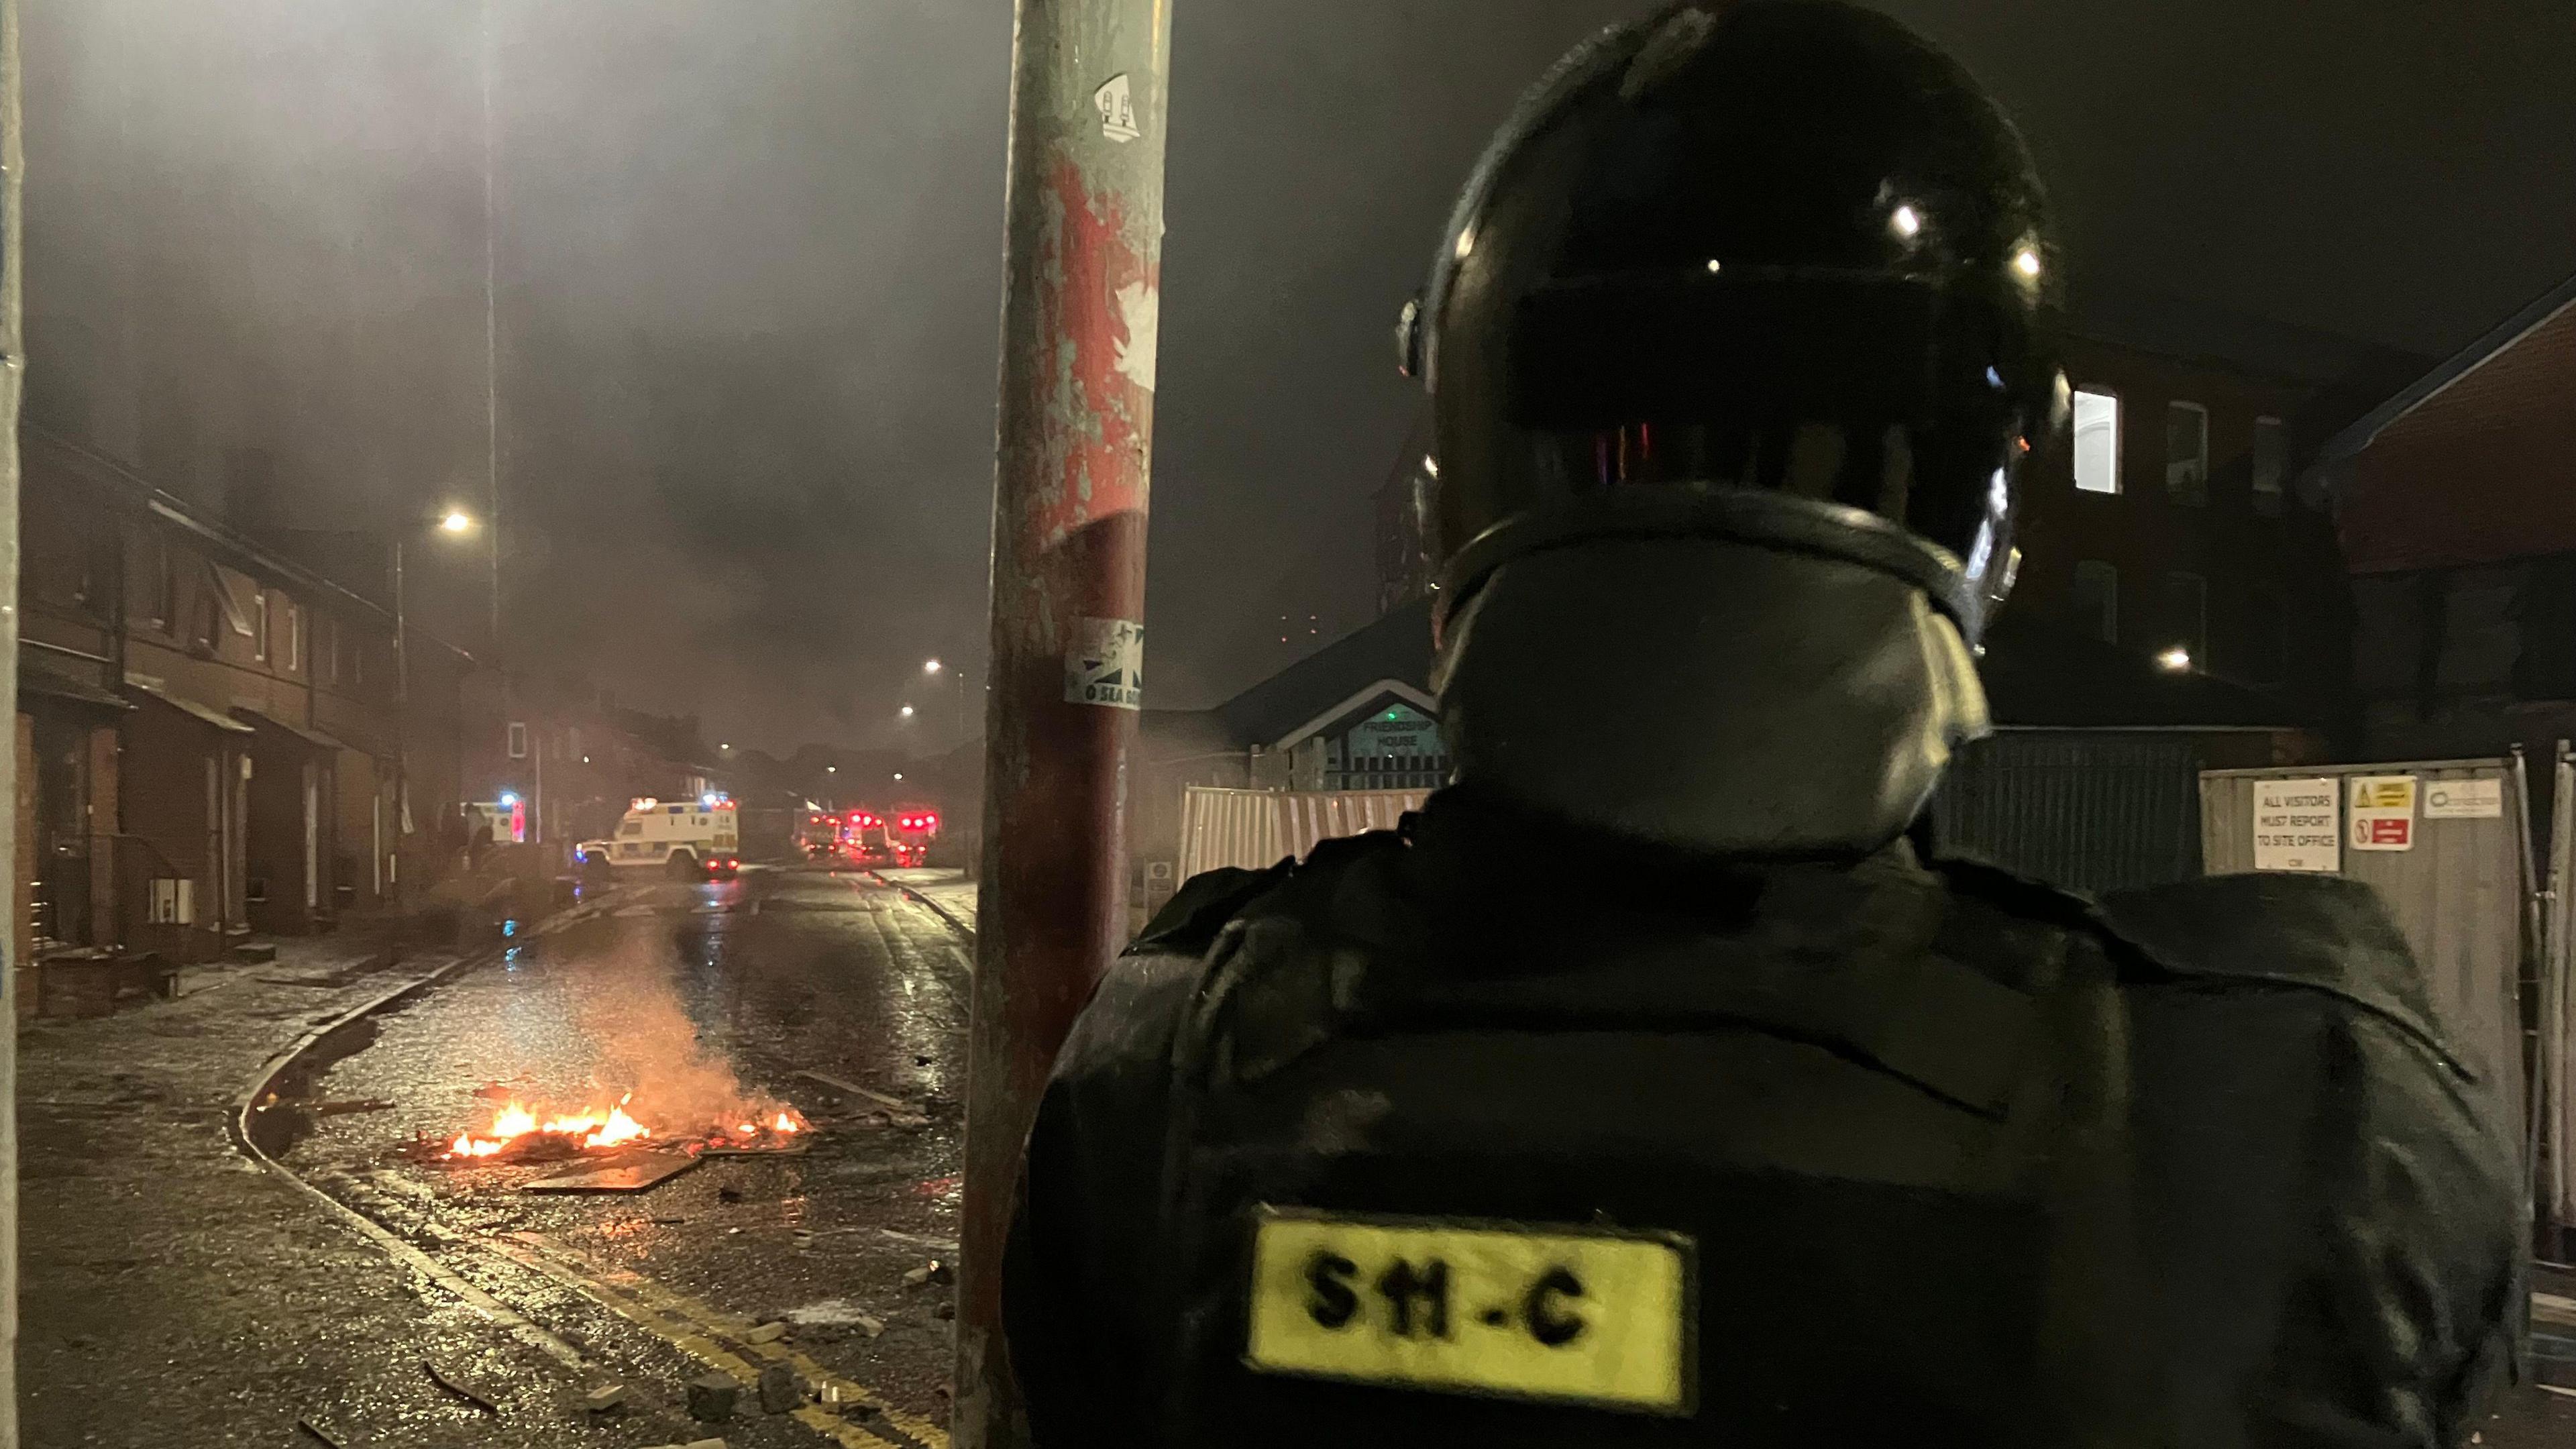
(689, 838)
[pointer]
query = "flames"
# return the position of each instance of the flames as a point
(593, 1129)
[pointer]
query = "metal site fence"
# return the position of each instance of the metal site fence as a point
(2447, 846)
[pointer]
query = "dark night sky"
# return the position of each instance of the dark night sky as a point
(747, 260)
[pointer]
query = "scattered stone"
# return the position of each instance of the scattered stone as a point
(703, 1444)
(869, 1326)
(781, 1392)
(606, 1399)
(944, 1310)
(712, 1397)
(769, 1332)
(906, 1119)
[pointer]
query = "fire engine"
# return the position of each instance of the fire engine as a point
(685, 838)
(913, 828)
(820, 836)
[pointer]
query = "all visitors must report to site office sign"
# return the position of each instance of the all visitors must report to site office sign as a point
(2298, 825)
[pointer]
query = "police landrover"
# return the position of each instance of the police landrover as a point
(688, 839)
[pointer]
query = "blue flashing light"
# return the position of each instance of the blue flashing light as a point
(509, 797)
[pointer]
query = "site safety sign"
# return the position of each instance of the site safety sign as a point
(2383, 812)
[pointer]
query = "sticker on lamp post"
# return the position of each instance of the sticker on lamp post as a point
(2298, 826)
(1116, 102)
(2383, 812)
(1106, 665)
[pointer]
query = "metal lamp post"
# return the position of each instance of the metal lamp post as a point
(1080, 321)
(453, 522)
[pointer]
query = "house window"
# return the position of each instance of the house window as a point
(326, 647)
(2097, 442)
(518, 740)
(2187, 616)
(2187, 454)
(2097, 600)
(294, 637)
(163, 580)
(2271, 463)
(259, 625)
(214, 607)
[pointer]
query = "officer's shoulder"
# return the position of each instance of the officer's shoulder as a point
(1189, 923)
(2323, 935)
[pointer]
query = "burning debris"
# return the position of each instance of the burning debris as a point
(519, 1133)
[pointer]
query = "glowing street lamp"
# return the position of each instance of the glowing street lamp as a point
(2176, 660)
(930, 666)
(907, 711)
(456, 520)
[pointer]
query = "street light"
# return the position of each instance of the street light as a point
(2175, 660)
(454, 522)
(930, 666)
(831, 769)
(898, 774)
(907, 711)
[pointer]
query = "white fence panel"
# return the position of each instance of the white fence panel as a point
(1257, 829)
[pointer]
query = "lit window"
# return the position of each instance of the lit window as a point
(2271, 463)
(2097, 442)
(2187, 454)
(2097, 600)
(259, 624)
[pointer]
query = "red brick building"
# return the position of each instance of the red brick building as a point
(212, 727)
(2456, 502)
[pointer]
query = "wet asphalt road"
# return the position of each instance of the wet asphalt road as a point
(176, 1292)
(692, 988)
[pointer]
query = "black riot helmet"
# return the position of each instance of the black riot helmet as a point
(1774, 271)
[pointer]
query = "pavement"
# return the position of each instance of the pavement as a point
(949, 890)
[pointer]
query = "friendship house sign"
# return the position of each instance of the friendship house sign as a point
(2298, 825)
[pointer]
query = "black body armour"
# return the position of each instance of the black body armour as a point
(1375, 1151)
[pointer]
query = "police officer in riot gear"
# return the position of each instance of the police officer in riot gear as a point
(1741, 1115)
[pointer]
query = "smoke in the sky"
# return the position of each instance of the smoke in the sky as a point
(746, 259)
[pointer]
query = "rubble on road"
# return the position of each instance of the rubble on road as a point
(934, 1271)
(835, 1313)
(769, 1332)
(458, 1387)
(607, 1398)
(853, 1089)
(712, 1397)
(781, 1391)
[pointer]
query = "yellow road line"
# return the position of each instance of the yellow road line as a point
(704, 1322)
(699, 1346)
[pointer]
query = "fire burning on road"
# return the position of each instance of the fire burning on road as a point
(521, 1131)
